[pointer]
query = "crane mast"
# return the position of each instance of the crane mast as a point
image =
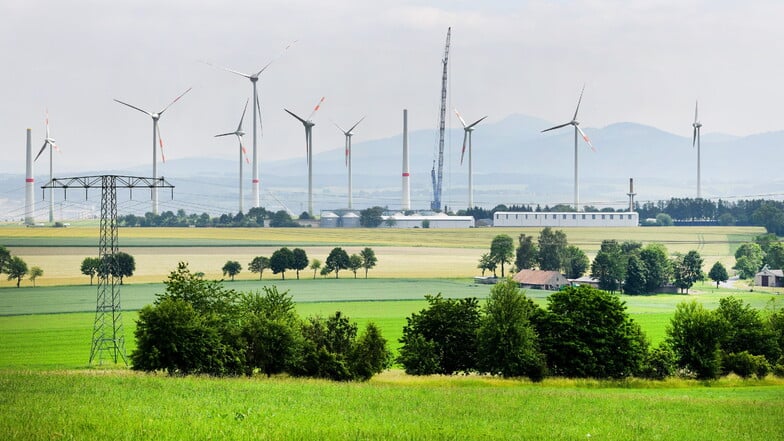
(438, 180)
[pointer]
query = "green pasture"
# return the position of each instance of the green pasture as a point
(130, 406)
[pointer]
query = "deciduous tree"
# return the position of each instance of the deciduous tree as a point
(502, 250)
(90, 267)
(337, 260)
(575, 262)
(16, 268)
(354, 263)
(718, 273)
(35, 272)
(369, 259)
(694, 334)
(315, 265)
(299, 260)
(552, 246)
(258, 265)
(231, 268)
(527, 252)
(280, 261)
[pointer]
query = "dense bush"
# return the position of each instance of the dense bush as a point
(442, 338)
(586, 332)
(199, 327)
(694, 334)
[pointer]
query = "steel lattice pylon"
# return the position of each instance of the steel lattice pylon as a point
(108, 335)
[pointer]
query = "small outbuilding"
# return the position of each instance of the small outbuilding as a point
(769, 277)
(538, 279)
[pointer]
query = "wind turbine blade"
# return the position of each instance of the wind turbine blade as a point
(134, 107)
(340, 128)
(556, 127)
(578, 104)
(462, 121)
(465, 140)
(56, 148)
(47, 123)
(242, 118)
(696, 113)
(41, 151)
(348, 151)
(585, 137)
(258, 108)
(355, 125)
(226, 134)
(226, 69)
(315, 109)
(175, 100)
(160, 141)
(476, 122)
(295, 116)
(244, 152)
(694, 137)
(283, 52)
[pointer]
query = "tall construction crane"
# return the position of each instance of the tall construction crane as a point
(435, 205)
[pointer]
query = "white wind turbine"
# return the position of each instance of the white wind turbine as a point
(696, 139)
(239, 134)
(52, 144)
(156, 139)
(468, 129)
(349, 133)
(309, 149)
(254, 78)
(577, 130)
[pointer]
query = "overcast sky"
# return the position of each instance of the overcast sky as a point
(643, 62)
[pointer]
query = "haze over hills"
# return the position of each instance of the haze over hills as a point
(513, 163)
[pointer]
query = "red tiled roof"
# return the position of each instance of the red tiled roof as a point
(536, 277)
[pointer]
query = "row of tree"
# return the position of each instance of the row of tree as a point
(285, 259)
(255, 217)
(16, 268)
(120, 265)
(626, 266)
(752, 256)
(585, 332)
(199, 327)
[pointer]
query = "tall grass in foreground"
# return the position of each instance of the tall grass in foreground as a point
(130, 406)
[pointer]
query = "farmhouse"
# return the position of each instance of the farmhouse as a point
(538, 279)
(565, 219)
(769, 277)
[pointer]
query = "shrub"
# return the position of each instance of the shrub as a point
(745, 364)
(659, 364)
(694, 334)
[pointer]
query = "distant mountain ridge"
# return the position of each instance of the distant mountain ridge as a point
(513, 163)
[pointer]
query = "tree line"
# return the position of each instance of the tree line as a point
(255, 217)
(198, 326)
(618, 266)
(16, 268)
(285, 259)
(584, 332)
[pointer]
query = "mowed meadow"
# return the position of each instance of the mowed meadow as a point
(48, 390)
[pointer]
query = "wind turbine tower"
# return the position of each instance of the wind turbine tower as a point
(239, 133)
(348, 134)
(254, 78)
(406, 202)
(156, 139)
(577, 130)
(468, 129)
(52, 144)
(309, 149)
(29, 181)
(696, 139)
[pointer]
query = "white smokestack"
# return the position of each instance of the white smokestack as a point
(406, 204)
(29, 182)
(631, 194)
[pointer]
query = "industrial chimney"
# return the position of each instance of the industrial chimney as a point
(631, 194)
(29, 182)
(406, 203)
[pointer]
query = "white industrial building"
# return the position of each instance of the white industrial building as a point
(565, 219)
(438, 220)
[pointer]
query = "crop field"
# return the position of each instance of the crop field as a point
(45, 342)
(414, 253)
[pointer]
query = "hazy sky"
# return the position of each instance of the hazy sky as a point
(644, 62)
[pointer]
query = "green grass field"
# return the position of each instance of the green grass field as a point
(48, 391)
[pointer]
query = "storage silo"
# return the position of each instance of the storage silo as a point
(328, 220)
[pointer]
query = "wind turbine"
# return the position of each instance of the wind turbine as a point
(468, 130)
(577, 130)
(156, 138)
(309, 149)
(239, 133)
(254, 78)
(349, 133)
(52, 144)
(696, 139)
